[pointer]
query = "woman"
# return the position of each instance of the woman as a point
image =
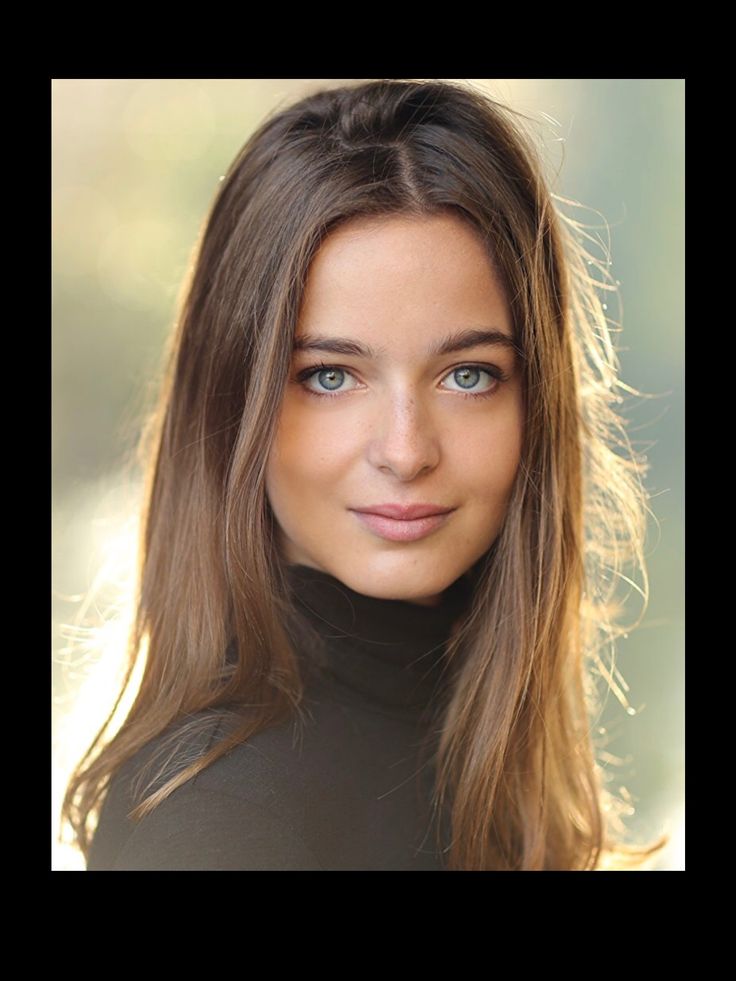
(384, 518)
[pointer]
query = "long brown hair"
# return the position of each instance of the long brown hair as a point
(517, 768)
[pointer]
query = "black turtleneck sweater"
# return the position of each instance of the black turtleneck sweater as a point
(348, 789)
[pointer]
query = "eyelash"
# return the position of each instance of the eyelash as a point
(500, 376)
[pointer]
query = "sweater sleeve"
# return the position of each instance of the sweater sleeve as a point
(197, 830)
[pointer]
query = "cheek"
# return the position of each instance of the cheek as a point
(490, 453)
(310, 451)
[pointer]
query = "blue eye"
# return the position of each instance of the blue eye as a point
(468, 377)
(329, 377)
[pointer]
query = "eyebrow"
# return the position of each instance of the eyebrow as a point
(459, 340)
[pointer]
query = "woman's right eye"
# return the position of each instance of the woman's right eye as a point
(328, 379)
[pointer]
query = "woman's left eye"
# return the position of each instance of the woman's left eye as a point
(468, 376)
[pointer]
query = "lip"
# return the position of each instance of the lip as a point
(404, 512)
(403, 529)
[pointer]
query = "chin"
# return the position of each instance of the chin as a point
(402, 582)
(394, 574)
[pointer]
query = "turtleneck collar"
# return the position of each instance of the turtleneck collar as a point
(388, 652)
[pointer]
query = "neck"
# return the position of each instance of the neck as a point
(387, 652)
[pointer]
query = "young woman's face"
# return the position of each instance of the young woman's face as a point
(393, 415)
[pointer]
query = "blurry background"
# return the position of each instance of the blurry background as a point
(135, 166)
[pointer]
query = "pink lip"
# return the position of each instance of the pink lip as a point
(402, 529)
(404, 512)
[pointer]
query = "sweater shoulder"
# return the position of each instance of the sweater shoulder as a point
(204, 830)
(214, 818)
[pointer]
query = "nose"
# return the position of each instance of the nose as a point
(405, 441)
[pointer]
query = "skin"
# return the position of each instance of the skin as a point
(397, 429)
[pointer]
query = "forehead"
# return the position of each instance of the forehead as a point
(425, 274)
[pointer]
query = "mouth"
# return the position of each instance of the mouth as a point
(402, 529)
